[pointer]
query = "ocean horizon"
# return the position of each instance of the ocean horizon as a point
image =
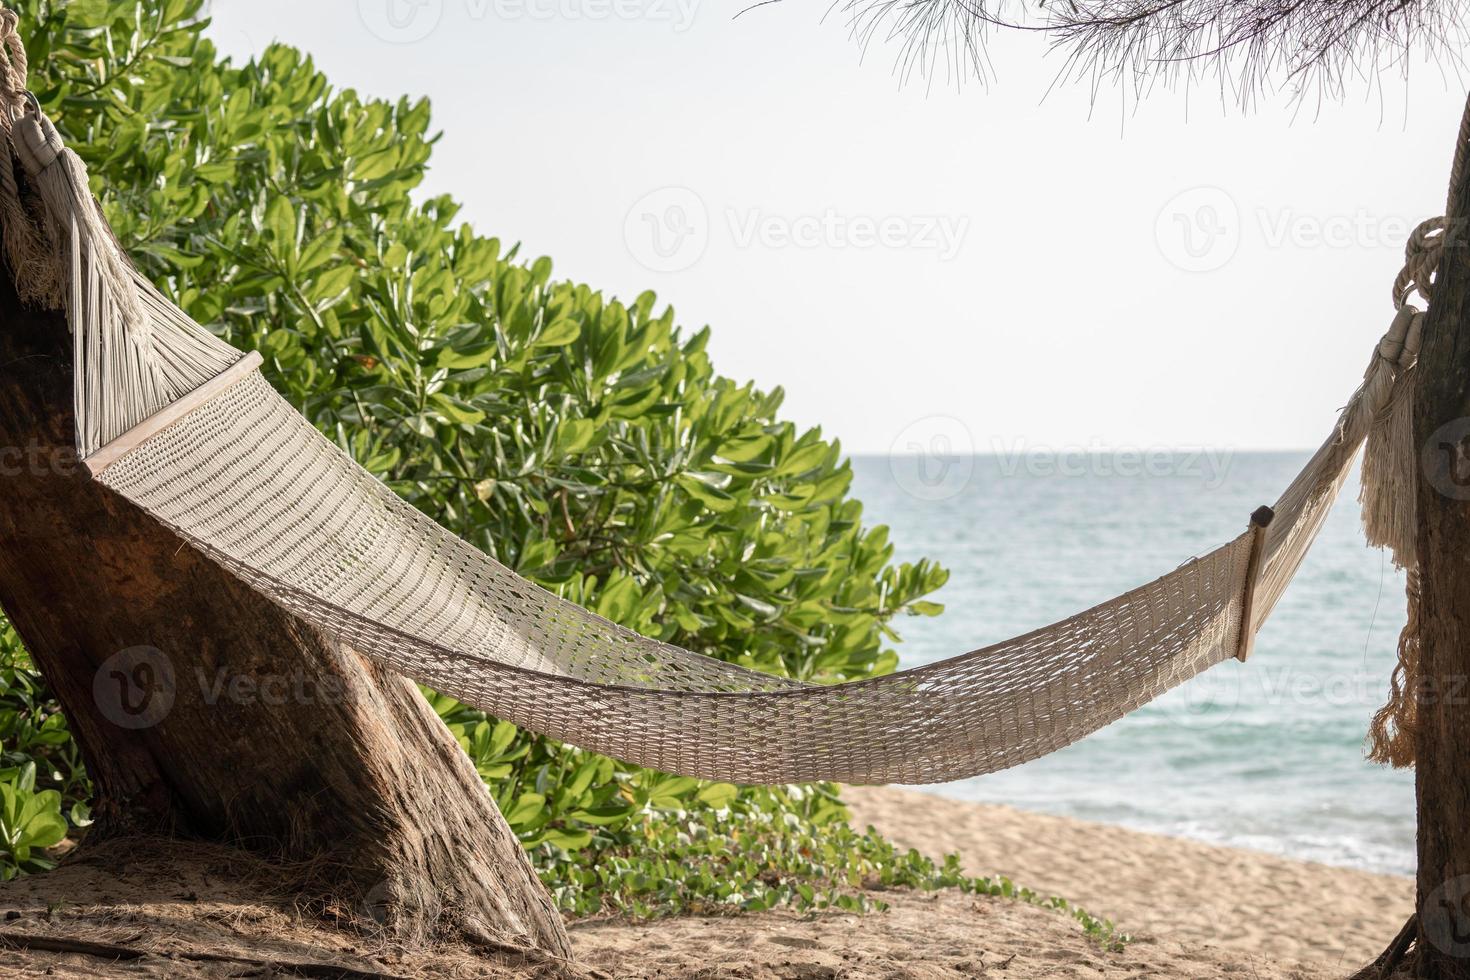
(1266, 755)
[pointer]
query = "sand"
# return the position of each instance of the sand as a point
(922, 937)
(191, 920)
(1161, 886)
(1196, 912)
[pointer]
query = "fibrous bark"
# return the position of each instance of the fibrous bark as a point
(1442, 730)
(205, 711)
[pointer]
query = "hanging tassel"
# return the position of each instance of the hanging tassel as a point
(31, 255)
(1391, 733)
(60, 178)
(135, 352)
(29, 251)
(110, 335)
(1389, 459)
(1388, 495)
(1389, 520)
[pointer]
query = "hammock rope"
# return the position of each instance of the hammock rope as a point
(186, 428)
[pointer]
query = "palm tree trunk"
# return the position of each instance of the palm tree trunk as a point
(204, 711)
(1442, 740)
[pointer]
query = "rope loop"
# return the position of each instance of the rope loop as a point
(14, 68)
(1421, 259)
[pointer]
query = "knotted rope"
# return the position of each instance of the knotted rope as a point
(1390, 511)
(33, 255)
(13, 67)
(1421, 259)
(1389, 514)
(63, 254)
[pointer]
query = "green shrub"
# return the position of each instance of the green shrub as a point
(30, 822)
(34, 735)
(584, 441)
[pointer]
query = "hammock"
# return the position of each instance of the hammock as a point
(187, 429)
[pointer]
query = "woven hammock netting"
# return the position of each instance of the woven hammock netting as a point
(187, 429)
(250, 482)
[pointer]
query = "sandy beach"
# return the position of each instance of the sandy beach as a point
(1193, 910)
(1154, 885)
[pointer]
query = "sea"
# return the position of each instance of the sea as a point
(1266, 755)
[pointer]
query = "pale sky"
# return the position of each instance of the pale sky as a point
(998, 266)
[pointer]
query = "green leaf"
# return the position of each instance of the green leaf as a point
(527, 807)
(717, 795)
(456, 411)
(575, 435)
(331, 283)
(567, 840)
(280, 220)
(698, 487)
(558, 334)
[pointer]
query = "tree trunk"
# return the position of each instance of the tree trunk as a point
(1442, 739)
(205, 711)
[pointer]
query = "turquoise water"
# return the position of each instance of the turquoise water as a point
(1266, 755)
